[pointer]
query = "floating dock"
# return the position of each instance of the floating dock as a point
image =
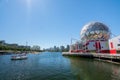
(99, 56)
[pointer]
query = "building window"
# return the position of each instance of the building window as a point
(118, 44)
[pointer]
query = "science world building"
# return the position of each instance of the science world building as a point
(96, 38)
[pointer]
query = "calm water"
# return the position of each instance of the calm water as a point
(53, 66)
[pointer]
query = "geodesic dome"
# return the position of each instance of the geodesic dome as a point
(95, 31)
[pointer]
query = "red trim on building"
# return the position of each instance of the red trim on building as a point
(105, 51)
(111, 44)
(113, 51)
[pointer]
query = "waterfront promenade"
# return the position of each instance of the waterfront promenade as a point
(106, 56)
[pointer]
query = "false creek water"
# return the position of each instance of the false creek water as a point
(54, 66)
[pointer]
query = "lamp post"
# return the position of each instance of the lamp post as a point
(72, 42)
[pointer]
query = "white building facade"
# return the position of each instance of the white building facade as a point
(96, 39)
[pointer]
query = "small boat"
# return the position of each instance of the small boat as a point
(19, 57)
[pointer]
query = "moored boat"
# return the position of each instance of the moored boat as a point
(19, 57)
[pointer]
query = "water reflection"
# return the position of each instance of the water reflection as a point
(53, 66)
(44, 66)
(87, 69)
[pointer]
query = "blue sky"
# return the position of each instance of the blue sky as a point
(53, 22)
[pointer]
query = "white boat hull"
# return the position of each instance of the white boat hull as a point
(18, 57)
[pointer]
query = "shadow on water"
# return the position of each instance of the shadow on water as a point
(89, 69)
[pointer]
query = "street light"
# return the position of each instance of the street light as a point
(72, 42)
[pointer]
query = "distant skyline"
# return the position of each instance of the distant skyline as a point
(54, 22)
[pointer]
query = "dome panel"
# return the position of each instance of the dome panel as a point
(95, 31)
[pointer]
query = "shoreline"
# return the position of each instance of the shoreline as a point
(111, 58)
(16, 52)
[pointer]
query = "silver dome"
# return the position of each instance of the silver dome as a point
(95, 31)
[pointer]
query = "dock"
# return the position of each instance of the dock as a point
(100, 56)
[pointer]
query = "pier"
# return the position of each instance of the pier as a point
(98, 56)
